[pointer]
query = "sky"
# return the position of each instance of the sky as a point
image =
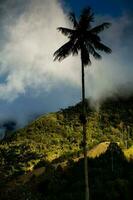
(113, 7)
(32, 84)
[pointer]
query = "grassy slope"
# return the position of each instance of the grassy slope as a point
(129, 152)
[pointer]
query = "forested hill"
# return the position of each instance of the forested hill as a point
(112, 121)
(60, 134)
(57, 137)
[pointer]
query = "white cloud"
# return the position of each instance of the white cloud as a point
(26, 56)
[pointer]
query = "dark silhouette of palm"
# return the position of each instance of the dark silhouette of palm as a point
(85, 40)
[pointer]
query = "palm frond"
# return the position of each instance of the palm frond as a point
(64, 51)
(76, 47)
(100, 28)
(92, 51)
(85, 57)
(102, 47)
(86, 18)
(73, 19)
(66, 31)
(92, 37)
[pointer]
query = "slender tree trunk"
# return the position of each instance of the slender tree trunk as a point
(84, 135)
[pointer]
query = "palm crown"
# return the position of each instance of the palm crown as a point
(82, 38)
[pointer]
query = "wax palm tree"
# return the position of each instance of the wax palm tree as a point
(83, 39)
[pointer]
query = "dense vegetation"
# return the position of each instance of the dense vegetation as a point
(57, 137)
(111, 182)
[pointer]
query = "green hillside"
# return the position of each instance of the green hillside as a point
(58, 136)
(48, 152)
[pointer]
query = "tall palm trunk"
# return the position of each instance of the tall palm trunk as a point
(84, 39)
(84, 134)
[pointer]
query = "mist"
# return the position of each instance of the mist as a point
(31, 83)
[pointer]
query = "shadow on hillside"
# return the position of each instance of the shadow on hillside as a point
(110, 177)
